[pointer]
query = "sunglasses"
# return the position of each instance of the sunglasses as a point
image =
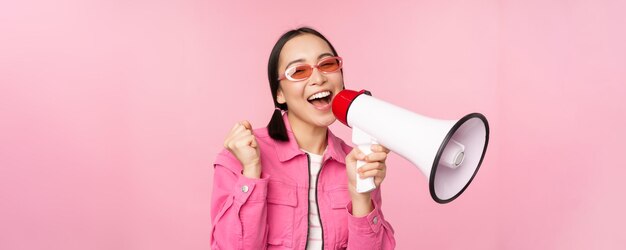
(302, 72)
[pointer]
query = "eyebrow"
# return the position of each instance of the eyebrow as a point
(302, 59)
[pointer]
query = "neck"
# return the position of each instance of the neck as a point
(310, 138)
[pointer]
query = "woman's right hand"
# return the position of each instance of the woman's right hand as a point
(242, 143)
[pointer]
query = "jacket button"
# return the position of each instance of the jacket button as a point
(375, 220)
(244, 189)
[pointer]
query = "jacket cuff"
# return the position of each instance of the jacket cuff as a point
(248, 189)
(371, 222)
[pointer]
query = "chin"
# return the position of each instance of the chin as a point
(326, 121)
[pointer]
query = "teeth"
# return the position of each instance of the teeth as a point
(319, 95)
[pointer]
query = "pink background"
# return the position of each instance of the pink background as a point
(112, 112)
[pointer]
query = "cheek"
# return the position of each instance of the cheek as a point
(336, 79)
(292, 94)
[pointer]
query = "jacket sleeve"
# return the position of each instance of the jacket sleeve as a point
(371, 231)
(238, 206)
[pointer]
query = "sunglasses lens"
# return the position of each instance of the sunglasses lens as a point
(330, 65)
(301, 72)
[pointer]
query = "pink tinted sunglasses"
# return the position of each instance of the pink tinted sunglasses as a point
(302, 72)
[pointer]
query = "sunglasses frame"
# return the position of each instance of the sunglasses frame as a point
(312, 67)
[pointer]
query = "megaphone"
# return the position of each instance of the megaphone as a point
(448, 152)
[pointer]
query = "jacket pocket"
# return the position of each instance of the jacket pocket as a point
(282, 200)
(339, 198)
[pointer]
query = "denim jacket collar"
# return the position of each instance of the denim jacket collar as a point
(288, 150)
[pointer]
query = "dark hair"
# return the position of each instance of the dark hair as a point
(276, 126)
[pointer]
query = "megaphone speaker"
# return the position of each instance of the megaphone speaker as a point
(448, 152)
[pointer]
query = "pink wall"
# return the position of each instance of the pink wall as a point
(112, 112)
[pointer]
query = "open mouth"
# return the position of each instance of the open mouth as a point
(321, 99)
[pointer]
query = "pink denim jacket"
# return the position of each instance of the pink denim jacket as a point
(272, 212)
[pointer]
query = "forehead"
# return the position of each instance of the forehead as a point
(306, 46)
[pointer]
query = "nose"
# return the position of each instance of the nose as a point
(317, 78)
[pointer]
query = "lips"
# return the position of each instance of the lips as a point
(321, 100)
(320, 94)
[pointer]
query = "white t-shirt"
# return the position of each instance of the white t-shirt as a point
(315, 229)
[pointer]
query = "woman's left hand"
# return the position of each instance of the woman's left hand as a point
(374, 167)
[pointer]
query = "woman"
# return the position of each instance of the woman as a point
(292, 185)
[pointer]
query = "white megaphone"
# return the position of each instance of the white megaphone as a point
(448, 152)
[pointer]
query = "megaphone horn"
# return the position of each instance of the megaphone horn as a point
(448, 152)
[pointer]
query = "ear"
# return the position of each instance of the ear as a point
(280, 97)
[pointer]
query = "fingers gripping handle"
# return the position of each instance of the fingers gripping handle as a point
(364, 142)
(367, 184)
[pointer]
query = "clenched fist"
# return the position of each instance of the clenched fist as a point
(243, 145)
